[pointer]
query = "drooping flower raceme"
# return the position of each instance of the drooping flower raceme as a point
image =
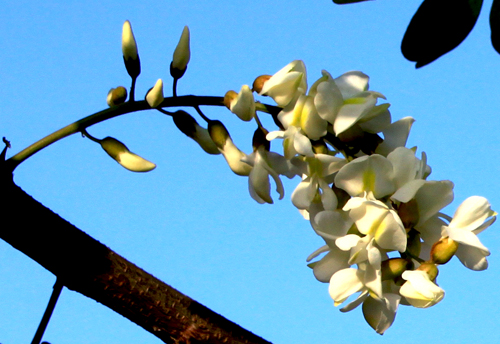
(380, 217)
(364, 192)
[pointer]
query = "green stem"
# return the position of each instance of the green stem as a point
(115, 111)
(104, 115)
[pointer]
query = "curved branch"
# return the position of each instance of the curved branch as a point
(122, 109)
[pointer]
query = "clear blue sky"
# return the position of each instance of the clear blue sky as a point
(191, 222)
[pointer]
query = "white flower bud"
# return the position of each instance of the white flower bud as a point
(241, 104)
(129, 46)
(124, 157)
(155, 95)
(231, 153)
(181, 55)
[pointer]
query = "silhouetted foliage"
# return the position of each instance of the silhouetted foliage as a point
(439, 26)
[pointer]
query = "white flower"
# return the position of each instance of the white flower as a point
(317, 172)
(366, 174)
(419, 290)
(155, 95)
(258, 181)
(289, 81)
(380, 313)
(330, 225)
(346, 282)
(294, 142)
(469, 220)
(375, 220)
(243, 105)
(395, 135)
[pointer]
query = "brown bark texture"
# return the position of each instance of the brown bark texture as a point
(86, 266)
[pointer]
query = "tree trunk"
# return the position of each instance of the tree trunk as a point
(85, 265)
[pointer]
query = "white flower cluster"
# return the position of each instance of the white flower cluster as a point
(364, 192)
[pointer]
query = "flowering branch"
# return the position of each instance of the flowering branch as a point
(362, 190)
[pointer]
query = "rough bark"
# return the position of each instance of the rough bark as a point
(85, 265)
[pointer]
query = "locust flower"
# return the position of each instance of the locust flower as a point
(472, 217)
(287, 83)
(419, 290)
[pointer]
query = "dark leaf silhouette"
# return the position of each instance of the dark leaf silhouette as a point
(342, 2)
(438, 27)
(495, 25)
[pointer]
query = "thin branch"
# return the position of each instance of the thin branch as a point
(48, 312)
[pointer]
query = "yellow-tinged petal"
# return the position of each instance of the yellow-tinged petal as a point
(155, 95)
(124, 157)
(182, 52)
(243, 105)
(129, 46)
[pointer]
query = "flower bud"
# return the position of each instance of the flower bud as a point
(241, 104)
(188, 125)
(430, 268)
(155, 95)
(259, 82)
(124, 157)
(231, 153)
(117, 96)
(129, 50)
(443, 250)
(394, 268)
(181, 56)
(229, 97)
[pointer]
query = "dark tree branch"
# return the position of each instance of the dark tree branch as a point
(85, 265)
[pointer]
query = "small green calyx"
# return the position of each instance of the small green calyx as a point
(393, 268)
(443, 250)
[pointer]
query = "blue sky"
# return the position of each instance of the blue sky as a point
(191, 222)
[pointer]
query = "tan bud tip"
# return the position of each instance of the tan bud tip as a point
(229, 97)
(259, 82)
